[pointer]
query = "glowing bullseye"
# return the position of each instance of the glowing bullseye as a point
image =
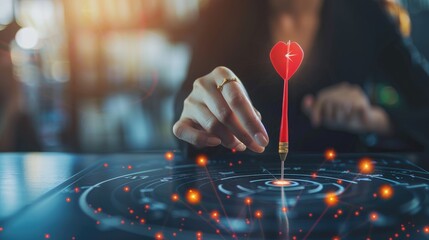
(281, 182)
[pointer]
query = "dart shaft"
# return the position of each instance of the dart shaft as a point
(284, 124)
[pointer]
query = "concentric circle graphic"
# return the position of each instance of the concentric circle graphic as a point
(240, 200)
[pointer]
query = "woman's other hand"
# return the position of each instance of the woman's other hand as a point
(346, 107)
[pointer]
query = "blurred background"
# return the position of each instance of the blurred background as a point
(101, 75)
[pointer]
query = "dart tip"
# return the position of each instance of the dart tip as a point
(283, 156)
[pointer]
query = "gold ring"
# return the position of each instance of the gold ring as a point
(225, 81)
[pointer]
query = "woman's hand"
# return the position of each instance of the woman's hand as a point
(211, 117)
(346, 107)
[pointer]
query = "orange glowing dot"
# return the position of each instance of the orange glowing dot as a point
(336, 238)
(142, 221)
(215, 214)
(202, 160)
(126, 189)
(340, 211)
(199, 234)
(330, 154)
(386, 191)
(248, 201)
(47, 235)
(99, 209)
(373, 216)
(169, 156)
(258, 214)
(131, 211)
(174, 197)
(233, 150)
(426, 230)
(129, 167)
(366, 165)
(159, 236)
(314, 175)
(105, 165)
(281, 182)
(284, 209)
(68, 199)
(76, 189)
(193, 196)
(331, 199)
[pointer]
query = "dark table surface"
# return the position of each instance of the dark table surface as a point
(130, 196)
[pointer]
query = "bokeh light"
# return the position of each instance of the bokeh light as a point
(388, 96)
(373, 216)
(174, 197)
(199, 235)
(169, 156)
(386, 191)
(258, 214)
(193, 196)
(159, 236)
(202, 160)
(331, 199)
(214, 214)
(27, 38)
(366, 166)
(330, 154)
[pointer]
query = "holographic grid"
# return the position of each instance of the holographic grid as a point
(158, 196)
(237, 199)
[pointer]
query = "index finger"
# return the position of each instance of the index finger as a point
(234, 95)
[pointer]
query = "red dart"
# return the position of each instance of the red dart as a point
(286, 59)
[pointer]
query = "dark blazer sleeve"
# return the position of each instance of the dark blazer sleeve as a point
(408, 72)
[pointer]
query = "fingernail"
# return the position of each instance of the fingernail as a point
(260, 150)
(212, 141)
(261, 139)
(240, 147)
